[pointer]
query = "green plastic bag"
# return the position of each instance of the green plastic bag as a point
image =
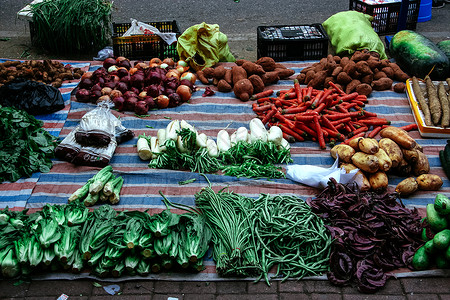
(203, 45)
(349, 31)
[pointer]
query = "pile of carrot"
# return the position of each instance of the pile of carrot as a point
(326, 116)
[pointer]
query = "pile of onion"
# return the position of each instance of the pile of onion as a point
(138, 87)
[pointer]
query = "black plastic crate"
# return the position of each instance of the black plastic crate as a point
(385, 16)
(147, 46)
(292, 42)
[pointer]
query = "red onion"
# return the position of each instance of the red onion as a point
(109, 62)
(118, 103)
(141, 108)
(82, 95)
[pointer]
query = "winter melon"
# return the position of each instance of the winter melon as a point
(417, 55)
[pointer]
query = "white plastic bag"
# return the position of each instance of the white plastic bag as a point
(138, 28)
(318, 177)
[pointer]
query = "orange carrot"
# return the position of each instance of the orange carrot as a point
(374, 131)
(262, 94)
(412, 126)
(319, 133)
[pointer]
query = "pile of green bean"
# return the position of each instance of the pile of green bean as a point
(250, 236)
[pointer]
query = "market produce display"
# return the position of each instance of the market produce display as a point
(251, 153)
(362, 72)
(395, 153)
(435, 252)
(46, 71)
(25, 147)
(157, 84)
(373, 234)
(103, 242)
(326, 116)
(245, 78)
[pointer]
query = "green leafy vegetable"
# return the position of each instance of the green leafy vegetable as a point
(25, 147)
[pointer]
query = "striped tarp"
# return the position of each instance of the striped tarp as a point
(209, 115)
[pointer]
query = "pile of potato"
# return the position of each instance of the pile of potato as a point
(363, 72)
(396, 153)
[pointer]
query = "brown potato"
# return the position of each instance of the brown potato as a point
(429, 182)
(398, 135)
(392, 150)
(407, 186)
(365, 184)
(384, 160)
(403, 169)
(421, 166)
(354, 143)
(378, 181)
(365, 162)
(410, 156)
(345, 152)
(368, 145)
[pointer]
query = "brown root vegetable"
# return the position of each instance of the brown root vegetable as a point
(267, 63)
(243, 89)
(228, 76)
(270, 78)
(223, 86)
(422, 102)
(309, 76)
(364, 89)
(365, 162)
(411, 155)
(400, 87)
(343, 78)
(403, 169)
(354, 143)
(399, 136)
(201, 77)
(367, 79)
(382, 84)
(280, 66)
(336, 71)
(385, 63)
(350, 68)
(421, 166)
(384, 160)
(429, 182)
(363, 67)
(378, 181)
(407, 186)
(284, 73)
(351, 87)
(388, 71)
(301, 78)
(240, 62)
(208, 72)
(365, 184)
(238, 73)
(379, 75)
(360, 56)
(318, 80)
(433, 101)
(252, 68)
(401, 76)
(343, 151)
(344, 61)
(444, 99)
(368, 145)
(219, 72)
(373, 62)
(258, 84)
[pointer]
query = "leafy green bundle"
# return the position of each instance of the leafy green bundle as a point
(25, 147)
(71, 26)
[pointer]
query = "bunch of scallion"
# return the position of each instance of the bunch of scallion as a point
(67, 26)
(102, 187)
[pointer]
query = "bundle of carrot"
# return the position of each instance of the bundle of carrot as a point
(326, 116)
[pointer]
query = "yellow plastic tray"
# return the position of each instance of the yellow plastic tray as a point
(424, 130)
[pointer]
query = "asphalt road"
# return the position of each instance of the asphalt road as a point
(238, 20)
